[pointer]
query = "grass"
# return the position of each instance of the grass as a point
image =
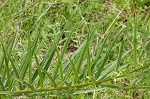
(74, 49)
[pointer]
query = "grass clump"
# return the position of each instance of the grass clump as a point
(74, 49)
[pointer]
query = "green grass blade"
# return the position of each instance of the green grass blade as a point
(76, 58)
(120, 55)
(77, 79)
(79, 63)
(24, 63)
(77, 54)
(13, 66)
(57, 66)
(66, 44)
(59, 62)
(45, 63)
(30, 58)
(27, 57)
(107, 33)
(99, 52)
(107, 55)
(2, 86)
(135, 41)
(7, 69)
(39, 71)
(47, 60)
(8, 49)
(15, 69)
(88, 56)
(65, 83)
(24, 83)
(49, 76)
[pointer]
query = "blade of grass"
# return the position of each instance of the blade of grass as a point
(39, 71)
(77, 79)
(80, 60)
(48, 59)
(7, 68)
(78, 53)
(88, 56)
(24, 63)
(66, 44)
(99, 53)
(45, 63)
(135, 40)
(2, 86)
(49, 76)
(108, 70)
(8, 49)
(76, 56)
(15, 69)
(30, 58)
(24, 83)
(59, 63)
(66, 83)
(107, 33)
(120, 55)
(110, 67)
(107, 55)
(33, 47)
(83, 52)
(13, 66)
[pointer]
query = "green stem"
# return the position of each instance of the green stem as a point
(84, 84)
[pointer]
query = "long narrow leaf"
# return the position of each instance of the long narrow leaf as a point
(120, 55)
(25, 83)
(107, 55)
(39, 71)
(24, 64)
(7, 69)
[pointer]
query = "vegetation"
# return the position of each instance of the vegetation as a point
(75, 49)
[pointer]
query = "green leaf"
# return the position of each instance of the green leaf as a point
(77, 79)
(25, 61)
(107, 55)
(8, 51)
(120, 55)
(24, 83)
(39, 71)
(7, 69)
(49, 76)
